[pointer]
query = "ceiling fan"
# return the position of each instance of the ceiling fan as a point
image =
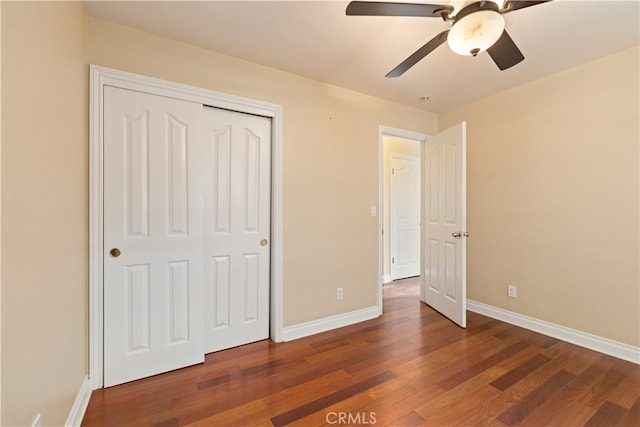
(477, 27)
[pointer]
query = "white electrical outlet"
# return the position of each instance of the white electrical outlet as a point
(339, 293)
(511, 291)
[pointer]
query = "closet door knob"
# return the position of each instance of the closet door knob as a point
(115, 252)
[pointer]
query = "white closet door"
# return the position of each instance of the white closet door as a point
(237, 227)
(153, 235)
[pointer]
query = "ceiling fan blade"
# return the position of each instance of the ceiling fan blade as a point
(374, 8)
(504, 52)
(419, 54)
(512, 5)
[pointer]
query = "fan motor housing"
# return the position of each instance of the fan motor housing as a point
(476, 7)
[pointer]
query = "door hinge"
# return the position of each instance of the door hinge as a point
(393, 260)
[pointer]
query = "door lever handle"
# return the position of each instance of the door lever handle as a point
(457, 234)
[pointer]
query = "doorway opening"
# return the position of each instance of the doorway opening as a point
(443, 219)
(401, 201)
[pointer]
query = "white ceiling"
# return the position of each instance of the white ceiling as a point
(316, 39)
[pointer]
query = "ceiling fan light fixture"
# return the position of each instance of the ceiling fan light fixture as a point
(476, 32)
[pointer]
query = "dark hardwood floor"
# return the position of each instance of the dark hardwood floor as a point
(409, 367)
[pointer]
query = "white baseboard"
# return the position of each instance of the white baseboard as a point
(328, 323)
(583, 339)
(80, 405)
(386, 278)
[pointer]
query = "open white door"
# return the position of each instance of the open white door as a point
(444, 254)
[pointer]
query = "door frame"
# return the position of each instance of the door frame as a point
(103, 76)
(421, 139)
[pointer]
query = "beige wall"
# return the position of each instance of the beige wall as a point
(392, 145)
(553, 193)
(330, 161)
(44, 210)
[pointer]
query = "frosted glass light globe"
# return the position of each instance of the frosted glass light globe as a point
(475, 32)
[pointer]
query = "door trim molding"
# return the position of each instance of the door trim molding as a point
(103, 76)
(400, 133)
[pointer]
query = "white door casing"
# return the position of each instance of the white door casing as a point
(444, 243)
(101, 79)
(405, 216)
(152, 235)
(237, 228)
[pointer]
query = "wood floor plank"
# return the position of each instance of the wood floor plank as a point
(609, 414)
(388, 407)
(408, 367)
(445, 361)
(515, 375)
(625, 392)
(231, 415)
(265, 368)
(603, 389)
(567, 394)
(358, 406)
(490, 410)
(632, 417)
(452, 414)
(449, 401)
(328, 400)
(295, 396)
(483, 365)
(408, 419)
(486, 412)
(445, 357)
(530, 403)
(580, 358)
(576, 414)
(289, 399)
